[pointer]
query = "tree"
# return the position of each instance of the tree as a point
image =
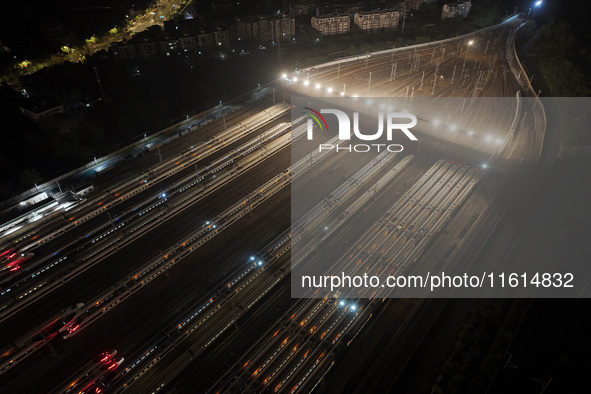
(352, 50)
(91, 41)
(24, 64)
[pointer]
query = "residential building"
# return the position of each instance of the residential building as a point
(133, 12)
(331, 24)
(349, 8)
(221, 37)
(53, 31)
(224, 6)
(401, 7)
(263, 29)
(169, 47)
(148, 51)
(376, 20)
(451, 10)
(38, 109)
(188, 43)
(246, 29)
(285, 28)
(123, 50)
(464, 8)
(151, 51)
(302, 7)
(205, 41)
(414, 4)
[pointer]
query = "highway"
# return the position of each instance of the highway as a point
(190, 243)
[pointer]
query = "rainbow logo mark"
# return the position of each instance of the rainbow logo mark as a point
(317, 117)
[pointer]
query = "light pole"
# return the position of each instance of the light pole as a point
(434, 82)
(467, 49)
(537, 4)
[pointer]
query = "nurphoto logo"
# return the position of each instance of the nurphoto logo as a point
(392, 121)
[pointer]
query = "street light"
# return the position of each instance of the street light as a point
(467, 49)
(537, 4)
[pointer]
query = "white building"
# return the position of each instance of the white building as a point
(376, 20)
(331, 24)
(461, 9)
